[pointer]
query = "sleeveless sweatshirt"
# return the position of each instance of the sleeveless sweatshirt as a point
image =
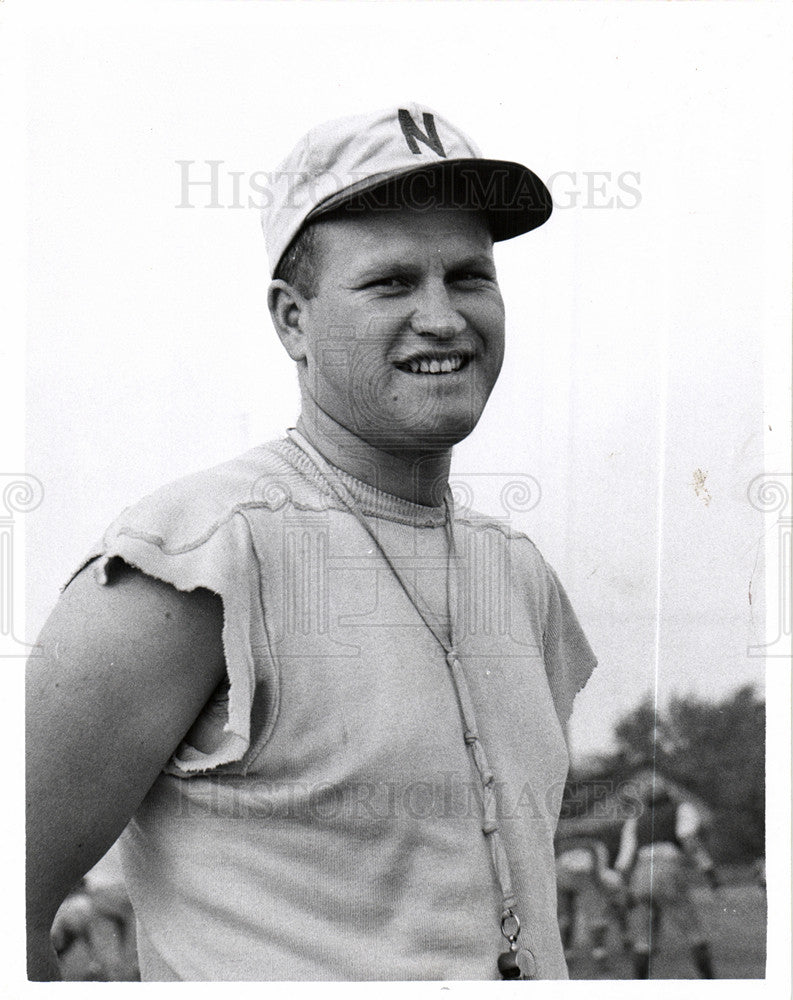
(322, 818)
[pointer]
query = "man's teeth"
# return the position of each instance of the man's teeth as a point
(432, 366)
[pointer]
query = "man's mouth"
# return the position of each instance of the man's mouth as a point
(428, 364)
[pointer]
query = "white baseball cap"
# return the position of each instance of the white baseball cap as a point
(401, 155)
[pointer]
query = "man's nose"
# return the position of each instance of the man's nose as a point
(435, 314)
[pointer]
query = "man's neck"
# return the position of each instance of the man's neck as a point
(418, 476)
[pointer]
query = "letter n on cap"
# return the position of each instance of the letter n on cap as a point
(412, 132)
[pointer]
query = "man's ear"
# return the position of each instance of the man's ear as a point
(286, 306)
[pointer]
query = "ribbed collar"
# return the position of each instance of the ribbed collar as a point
(372, 501)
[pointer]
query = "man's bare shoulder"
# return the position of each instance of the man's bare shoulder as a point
(126, 641)
(120, 672)
(136, 611)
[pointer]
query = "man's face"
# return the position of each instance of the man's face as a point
(405, 335)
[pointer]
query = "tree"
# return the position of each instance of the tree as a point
(715, 749)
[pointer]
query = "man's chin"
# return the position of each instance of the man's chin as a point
(421, 440)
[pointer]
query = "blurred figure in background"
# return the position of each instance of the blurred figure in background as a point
(94, 933)
(659, 851)
(591, 896)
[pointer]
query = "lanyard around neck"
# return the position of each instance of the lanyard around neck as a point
(510, 924)
(332, 478)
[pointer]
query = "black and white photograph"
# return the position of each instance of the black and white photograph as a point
(395, 575)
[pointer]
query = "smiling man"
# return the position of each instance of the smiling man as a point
(326, 708)
(398, 343)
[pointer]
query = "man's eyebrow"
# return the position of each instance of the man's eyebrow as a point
(373, 268)
(472, 260)
(405, 265)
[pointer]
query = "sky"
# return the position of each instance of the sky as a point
(645, 385)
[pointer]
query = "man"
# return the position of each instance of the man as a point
(93, 933)
(591, 894)
(659, 851)
(334, 759)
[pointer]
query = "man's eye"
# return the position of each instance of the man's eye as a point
(387, 282)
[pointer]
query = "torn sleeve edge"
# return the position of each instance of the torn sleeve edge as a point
(145, 557)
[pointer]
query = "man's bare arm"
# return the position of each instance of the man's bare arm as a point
(124, 670)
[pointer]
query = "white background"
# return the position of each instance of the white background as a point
(645, 342)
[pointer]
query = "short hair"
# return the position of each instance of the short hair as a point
(299, 263)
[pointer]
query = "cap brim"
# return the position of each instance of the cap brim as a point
(513, 198)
